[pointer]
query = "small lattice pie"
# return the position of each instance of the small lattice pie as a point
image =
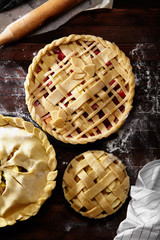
(95, 184)
(80, 88)
(27, 170)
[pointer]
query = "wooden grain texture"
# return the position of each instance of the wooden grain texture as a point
(137, 33)
(136, 4)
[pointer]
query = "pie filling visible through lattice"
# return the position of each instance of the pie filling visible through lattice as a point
(95, 184)
(80, 88)
(27, 170)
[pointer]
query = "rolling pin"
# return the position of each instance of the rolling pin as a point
(34, 19)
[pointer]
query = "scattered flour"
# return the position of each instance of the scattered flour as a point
(13, 77)
(6, 70)
(68, 226)
(121, 142)
(65, 163)
(134, 134)
(124, 138)
(34, 54)
(147, 75)
(141, 54)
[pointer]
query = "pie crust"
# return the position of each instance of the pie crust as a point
(80, 88)
(95, 184)
(27, 170)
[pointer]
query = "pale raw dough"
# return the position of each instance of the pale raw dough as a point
(27, 164)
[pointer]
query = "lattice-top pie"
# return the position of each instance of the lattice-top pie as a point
(95, 184)
(27, 170)
(80, 88)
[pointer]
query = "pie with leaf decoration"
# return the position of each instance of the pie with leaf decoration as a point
(95, 184)
(27, 170)
(80, 88)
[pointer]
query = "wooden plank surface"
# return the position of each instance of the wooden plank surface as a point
(136, 4)
(137, 33)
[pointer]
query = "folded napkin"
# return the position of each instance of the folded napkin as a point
(143, 214)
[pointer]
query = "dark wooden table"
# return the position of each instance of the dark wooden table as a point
(137, 32)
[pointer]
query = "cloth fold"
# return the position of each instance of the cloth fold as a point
(143, 214)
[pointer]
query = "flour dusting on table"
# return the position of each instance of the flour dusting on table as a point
(13, 77)
(68, 226)
(147, 75)
(135, 136)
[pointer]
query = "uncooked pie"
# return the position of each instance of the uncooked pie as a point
(95, 184)
(80, 88)
(27, 170)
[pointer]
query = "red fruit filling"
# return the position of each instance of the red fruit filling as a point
(107, 124)
(110, 94)
(45, 79)
(91, 134)
(97, 130)
(48, 84)
(38, 69)
(101, 114)
(52, 89)
(78, 130)
(121, 93)
(36, 103)
(42, 90)
(90, 120)
(57, 51)
(83, 82)
(97, 52)
(66, 104)
(84, 136)
(115, 100)
(61, 56)
(116, 120)
(62, 100)
(113, 81)
(94, 106)
(105, 89)
(85, 114)
(121, 108)
(46, 95)
(108, 63)
(116, 87)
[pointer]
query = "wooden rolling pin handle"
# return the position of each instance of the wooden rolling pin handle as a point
(29, 22)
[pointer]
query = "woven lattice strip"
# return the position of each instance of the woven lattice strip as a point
(95, 184)
(81, 88)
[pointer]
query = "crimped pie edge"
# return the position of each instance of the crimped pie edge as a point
(33, 208)
(65, 40)
(65, 185)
